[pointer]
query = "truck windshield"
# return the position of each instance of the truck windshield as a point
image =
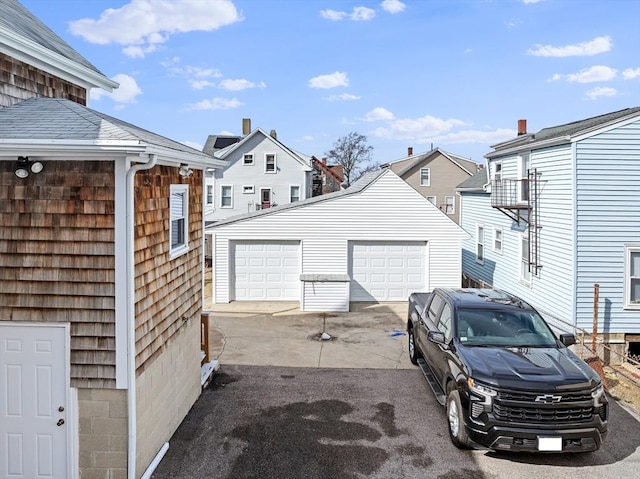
(495, 327)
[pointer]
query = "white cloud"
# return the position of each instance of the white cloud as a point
(531, 2)
(416, 128)
(215, 104)
(596, 73)
(331, 80)
(393, 6)
(475, 136)
(512, 23)
(343, 97)
(357, 14)
(239, 84)
(601, 91)
(200, 84)
(142, 25)
(593, 47)
(631, 73)
(378, 114)
(333, 15)
(127, 92)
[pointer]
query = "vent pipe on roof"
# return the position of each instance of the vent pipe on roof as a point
(273, 134)
(246, 126)
(410, 151)
(522, 127)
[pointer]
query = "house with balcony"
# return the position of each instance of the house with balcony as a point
(556, 213)
(435, 175)
(260, 172)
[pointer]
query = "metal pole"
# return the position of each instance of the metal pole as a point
(596, 294)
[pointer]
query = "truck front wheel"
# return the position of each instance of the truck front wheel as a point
(455, 417)
(414, 354)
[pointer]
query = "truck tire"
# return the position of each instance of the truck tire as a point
(455, 418)
(414, 353)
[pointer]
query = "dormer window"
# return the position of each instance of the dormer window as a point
(270, 163)
(247, 159)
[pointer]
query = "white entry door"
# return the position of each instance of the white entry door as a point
(33, 402)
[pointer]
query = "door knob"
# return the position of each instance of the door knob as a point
(60, 422)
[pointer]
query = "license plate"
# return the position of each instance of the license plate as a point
(549, 444)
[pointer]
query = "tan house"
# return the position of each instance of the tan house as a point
(101, 270)
(435, 175)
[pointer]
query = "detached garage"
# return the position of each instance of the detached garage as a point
(378, 240)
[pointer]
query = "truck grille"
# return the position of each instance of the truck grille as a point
(565, 407)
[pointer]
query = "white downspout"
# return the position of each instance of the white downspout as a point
(131, 316)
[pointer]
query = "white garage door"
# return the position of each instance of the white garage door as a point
(386, 271)
(266, 270)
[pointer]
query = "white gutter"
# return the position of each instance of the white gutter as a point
(131, 317)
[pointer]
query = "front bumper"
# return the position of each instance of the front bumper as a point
(505, 438)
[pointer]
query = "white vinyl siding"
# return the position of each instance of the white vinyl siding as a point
(179, 224)
(387, 210)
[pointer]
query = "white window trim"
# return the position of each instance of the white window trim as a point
(183, 191)
(248, 189)
(497, 177)
(495, 231)
(275, 163)
(299, 193)
(628, 249)
(428, 182)
(222, 187)
(478, 243)
(522, 175)
(247, 156)
(209, 194)
(435, 200)
(453, 205)
(521, 277)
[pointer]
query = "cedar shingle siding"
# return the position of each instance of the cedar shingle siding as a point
(57, 250)
(20, 81)
(165, 288)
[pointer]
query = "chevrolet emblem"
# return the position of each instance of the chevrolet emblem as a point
(548, 399)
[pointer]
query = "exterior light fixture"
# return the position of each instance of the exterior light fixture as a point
(185, 171)
(24, 167)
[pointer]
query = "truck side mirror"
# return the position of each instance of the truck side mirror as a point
(567, 339)
(436, 337)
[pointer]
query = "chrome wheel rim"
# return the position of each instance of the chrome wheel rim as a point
(453, 418)
(411, 345)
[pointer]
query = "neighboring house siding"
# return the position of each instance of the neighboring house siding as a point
(608, 216)
(167, 291)
(21, 81)
(57, 246)
(382, 212)
(476, 210)
(289, 172)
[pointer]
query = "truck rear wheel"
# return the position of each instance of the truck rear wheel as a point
(455, 418)
(414, 354)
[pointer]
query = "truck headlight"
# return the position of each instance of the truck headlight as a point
(481, 397)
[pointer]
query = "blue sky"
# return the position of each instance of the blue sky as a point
(455, 74)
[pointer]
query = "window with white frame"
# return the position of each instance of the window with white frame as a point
(270, 163)
(525, 268)
(226, 196)
(632, 276)
(523, 176)
(294, 193)
(450, 205)
(247, 159)
(432, 200)
(248, 189)
(425, 176)
(209, 194)
(497, 240)
(497, 172)
(480, 244)
(179, 224)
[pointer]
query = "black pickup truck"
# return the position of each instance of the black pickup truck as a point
(507, 381)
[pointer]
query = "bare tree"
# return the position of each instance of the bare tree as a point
(353, 153)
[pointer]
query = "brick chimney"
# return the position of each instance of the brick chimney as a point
(273, 134)
(246, 126)
(522, 127)
(410, 151)
(324, 161)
